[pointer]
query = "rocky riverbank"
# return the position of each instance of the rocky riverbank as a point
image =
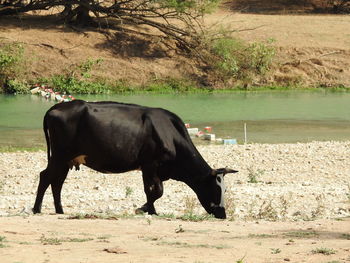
(275, 182)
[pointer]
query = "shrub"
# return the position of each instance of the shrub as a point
(11, 68)
(78, 79)
(232, 59)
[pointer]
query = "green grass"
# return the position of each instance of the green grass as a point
(324, 251)
(261, 236)
(128, 191)
(104, 237)
(94, 216)
(58, 241)
(275, 251)
(195, 218)
(301, 234)
(187, 245)
(50, 241)
(345, 236)
(21, 149)
(2, 240)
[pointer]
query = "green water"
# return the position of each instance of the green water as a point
(271, 117)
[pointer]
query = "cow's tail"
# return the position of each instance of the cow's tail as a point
(46, 131)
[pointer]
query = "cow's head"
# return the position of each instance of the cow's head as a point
(212, 190)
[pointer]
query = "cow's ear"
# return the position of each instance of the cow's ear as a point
(163, 128)
(223, 171)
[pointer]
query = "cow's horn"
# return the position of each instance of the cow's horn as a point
(223, 171)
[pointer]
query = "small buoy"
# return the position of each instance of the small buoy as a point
(207, 129)
(199, 134)
(229, 141)
(43, 93)
(209, 137)
(35, 90)
(192, 131)
(58, 97)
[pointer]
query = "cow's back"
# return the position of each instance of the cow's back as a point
(114, 137)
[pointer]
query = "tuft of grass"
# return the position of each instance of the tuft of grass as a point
(166, 216)
(301, 234)
(346, 236)
(104, 237)
(187, 245)
(324, 251)
(93, 216)
(267, 211)
(195, 217)
(190, 204)
(240, 260)
(275, 250)
(261, 236)
(78, 240)
(2, 239)
(128, 191)
(58, 241)
(253, 175)
(50, 241)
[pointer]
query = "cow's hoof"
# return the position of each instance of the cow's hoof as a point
(139, 211)
(36, 211)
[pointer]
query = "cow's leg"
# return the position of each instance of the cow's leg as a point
(153, 187)
(43, 185)
(54, 174)
(56, 186)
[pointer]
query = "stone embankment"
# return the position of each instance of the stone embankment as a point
(294, 182)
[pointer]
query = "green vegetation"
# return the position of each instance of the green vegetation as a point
(232, 61)
(2, 240)
(275, 250)
(104, 237)
(50, 241)
(128, 191)
(195, 217)
(240, 260)
(187, 245)
(234, 58)
(58, 241)
(254, 175)
(301, 234)
(346, 236)
(261, 236)
(20, 149)
(94, 216)
(12, 68)
(324, 251)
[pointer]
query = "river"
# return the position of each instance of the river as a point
(270, 116)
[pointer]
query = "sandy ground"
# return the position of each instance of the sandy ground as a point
(52, 238)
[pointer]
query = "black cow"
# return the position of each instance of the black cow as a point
(112, 137)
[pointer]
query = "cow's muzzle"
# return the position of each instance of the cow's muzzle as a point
(219, 212)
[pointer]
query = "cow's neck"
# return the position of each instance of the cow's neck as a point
(192, 169)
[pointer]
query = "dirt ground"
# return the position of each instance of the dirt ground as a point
(312, 50)
(55, 238)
